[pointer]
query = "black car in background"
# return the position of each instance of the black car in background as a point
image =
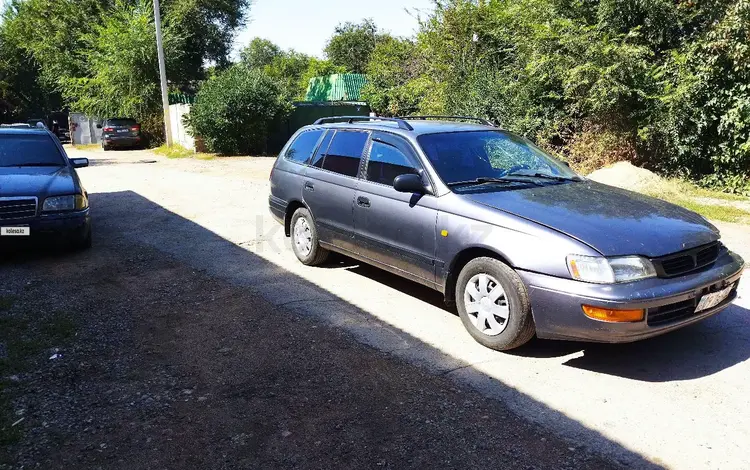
(121, 133)
(41, 194)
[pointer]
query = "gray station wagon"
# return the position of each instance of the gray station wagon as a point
(520, 243)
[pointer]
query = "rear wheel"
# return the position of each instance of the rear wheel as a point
(105, 147)
(305, 242)
(493, 304)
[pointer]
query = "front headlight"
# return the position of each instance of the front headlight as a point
(609, 270)
(65, 203)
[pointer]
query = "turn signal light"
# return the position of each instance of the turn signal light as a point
(613, 315)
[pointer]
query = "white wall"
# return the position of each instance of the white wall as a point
(83, 130)
(179, 132)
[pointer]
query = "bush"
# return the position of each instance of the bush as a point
(234, 111)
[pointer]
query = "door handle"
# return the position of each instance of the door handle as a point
(363, 202)
(309, 186)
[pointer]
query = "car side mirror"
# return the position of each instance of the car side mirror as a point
(79, 162)
(566, 164)
(409, 183)
(98, 126)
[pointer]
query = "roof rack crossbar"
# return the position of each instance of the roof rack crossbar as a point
(465, 118)
(352, 119)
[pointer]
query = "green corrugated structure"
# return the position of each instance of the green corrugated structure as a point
(339, 87)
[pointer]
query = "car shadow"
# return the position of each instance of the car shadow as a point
(696, 351)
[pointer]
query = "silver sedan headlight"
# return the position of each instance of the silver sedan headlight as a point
(602, 270)
(65, 203)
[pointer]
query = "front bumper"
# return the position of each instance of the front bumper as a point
(557, 303)
(63, 225)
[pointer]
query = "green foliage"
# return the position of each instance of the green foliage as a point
(352, 45)
(657, 82)
(235, 110)
(100, 55)
(22, 93)
(395, 87)
(291, 70)
(120, 76)
(259, 53)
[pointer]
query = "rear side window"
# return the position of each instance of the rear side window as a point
(345, 153)
(121, 122)
(386, 163)
(29, 150)
(303, 147)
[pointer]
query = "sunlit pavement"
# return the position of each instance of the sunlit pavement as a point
(679, 400)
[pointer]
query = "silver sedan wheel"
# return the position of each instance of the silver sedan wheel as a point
(303, 237)
(486, 304)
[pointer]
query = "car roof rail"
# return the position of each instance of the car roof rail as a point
(352, 119)
(452, 118)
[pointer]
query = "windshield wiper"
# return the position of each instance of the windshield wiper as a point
(546, 176)
(484, 180)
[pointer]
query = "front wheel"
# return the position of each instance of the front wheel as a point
(493, 304)
(305, 242)
(82, 241)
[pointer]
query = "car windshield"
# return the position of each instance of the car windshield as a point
(29, 150)
(481, 155)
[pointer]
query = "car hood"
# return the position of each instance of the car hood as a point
(36, 181)
(613, 221)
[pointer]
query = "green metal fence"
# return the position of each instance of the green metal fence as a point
(339, 87)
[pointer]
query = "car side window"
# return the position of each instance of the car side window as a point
(320, 154)
(303, 146)
(345, 153)
(386, 163)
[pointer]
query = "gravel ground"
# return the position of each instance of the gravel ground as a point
(169, 367)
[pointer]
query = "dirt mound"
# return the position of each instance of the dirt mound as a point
(625, 175)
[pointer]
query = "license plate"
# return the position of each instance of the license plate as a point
(15, 231)
(714, 299)
(122, 131)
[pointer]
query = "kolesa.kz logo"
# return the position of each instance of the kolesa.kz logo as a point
(15, 231)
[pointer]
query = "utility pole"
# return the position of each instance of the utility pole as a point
(162, 75)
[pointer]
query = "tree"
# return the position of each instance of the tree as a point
(291, 69)
(101, 54)
(117, 80)
(22, 94)
(352, 45)
(660, 83)
(395, 86)
(260, 52)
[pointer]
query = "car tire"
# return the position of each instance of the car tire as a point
(82, 242)
(305, 241)
(105, 147)
(498, 319)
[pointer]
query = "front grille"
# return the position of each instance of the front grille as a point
(708, 255)
(683, 310)
(17, 208)
(672, 312)
(687, 261)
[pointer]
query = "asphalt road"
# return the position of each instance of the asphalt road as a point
(679, 400)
